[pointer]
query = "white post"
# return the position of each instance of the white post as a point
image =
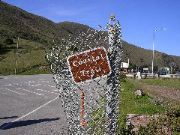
(128, 62)
(154, 31)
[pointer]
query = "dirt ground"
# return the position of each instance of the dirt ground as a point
(162, 91)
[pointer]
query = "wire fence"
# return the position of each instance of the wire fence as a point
(86, 70)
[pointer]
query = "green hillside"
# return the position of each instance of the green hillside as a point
(36, 36)
(17, 22)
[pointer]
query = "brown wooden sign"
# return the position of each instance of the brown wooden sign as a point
(89, 65)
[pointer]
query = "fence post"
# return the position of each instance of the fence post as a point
(113, 81)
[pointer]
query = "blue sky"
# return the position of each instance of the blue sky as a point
(139, 18)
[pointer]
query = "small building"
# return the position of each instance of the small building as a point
(145, 70)
(125, 66)
(164, 71)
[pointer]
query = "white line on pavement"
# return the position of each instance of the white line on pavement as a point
(31, 91)
(47, 91)
(15, 92)
(51, 86)
(8, 84)
(10, 123)
(45, 81)
(3, 93)
(35, 85)
(55, 90)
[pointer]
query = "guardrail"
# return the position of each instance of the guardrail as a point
(149, 75)
(170, 76)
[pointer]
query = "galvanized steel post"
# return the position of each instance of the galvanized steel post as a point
(113, 81)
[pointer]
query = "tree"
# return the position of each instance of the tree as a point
(172, 66)
(155, 68)
(132, 66)
(1, 46)
(9, 41)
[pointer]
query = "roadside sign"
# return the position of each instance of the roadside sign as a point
(89, 64)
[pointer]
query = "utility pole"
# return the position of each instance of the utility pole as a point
(154, 31)
(153, 52)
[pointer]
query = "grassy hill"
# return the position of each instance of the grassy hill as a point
(36, 36)
(17, 22)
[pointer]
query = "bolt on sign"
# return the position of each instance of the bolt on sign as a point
(89, 65)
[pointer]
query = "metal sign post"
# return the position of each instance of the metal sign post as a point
(82, 119)
(113, 82)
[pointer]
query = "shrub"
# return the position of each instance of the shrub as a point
(123, 77)
(9, 41)
(164, 124)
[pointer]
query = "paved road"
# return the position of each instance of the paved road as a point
(29, 105)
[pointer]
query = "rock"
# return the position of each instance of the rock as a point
(139, 93)
(139, 75)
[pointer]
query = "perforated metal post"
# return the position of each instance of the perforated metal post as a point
(113, 82)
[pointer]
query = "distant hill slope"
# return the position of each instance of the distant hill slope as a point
(37, 33)
(17, 22)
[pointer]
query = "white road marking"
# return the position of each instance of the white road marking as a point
(15, 83)
(55, 90)
(35, 85)
(8, 84)
(47, 91)
(31, 91)
(51, 86)
(3, 93)
(45, 81)
(10, 123)
(15, 92)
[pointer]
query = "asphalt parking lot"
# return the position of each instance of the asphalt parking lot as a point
(30, 105)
